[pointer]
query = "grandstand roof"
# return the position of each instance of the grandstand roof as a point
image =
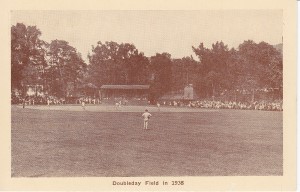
(125, 87)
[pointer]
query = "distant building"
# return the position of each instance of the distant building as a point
(188, 92)
(34, 90)
(126, 91)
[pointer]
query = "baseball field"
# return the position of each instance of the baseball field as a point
(59, 141)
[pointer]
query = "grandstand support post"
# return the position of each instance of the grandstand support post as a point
(253, 95)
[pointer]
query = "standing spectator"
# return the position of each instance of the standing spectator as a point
(158, 106)
(83, 105)
(23, 103)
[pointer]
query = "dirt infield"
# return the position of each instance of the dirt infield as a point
(59, 143)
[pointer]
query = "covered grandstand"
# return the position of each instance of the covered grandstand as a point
(132, 94)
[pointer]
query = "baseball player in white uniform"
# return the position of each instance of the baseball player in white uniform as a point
(146, 116)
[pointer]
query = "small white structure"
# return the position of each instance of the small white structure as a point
(189, 92)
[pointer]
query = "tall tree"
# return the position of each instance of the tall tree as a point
(262, 62)
(27, 55)
(215, 68)
(65, 66)
(161, 69)
(184, 71)
(113, 63)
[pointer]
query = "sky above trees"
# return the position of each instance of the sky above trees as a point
(154, 32)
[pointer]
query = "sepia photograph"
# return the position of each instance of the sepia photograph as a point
(152, 97)
(146, 93)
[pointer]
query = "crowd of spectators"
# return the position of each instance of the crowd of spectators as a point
(208, 104)
(29, 100)
(126, 100)
(88, 100)
(52, 100)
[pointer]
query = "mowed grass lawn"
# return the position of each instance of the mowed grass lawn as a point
(47, 143)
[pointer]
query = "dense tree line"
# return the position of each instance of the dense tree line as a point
(36, 62)
(217, 69)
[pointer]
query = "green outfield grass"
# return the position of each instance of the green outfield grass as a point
(48, 143)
